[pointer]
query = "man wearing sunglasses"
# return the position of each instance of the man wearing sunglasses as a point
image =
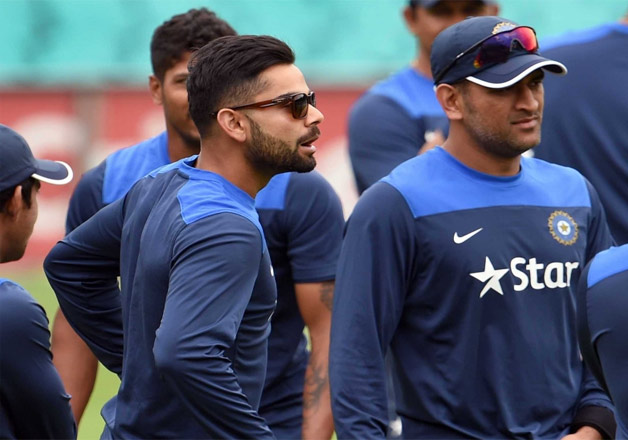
(187, 332)
(462, 264)
(303, 236)
(400, 116)
(171, 46)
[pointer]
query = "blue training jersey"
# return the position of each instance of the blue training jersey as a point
(302, 220)
(193, 310)
(113, 177)
(584, 121)
(33, 402)
(387, 125)
(602, 325)
(469, 281)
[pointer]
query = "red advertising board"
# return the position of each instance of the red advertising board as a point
(82, 127)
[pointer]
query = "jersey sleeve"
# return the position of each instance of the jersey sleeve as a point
(592, 394)
(601, 345)
(214, 268)
(599, 236)
(374, 271)
(314, 221)
(35, 399)
(381, 136)
(86, 199)
(83, 271)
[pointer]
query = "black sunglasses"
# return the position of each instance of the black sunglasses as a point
(299, 104)
(496, 48)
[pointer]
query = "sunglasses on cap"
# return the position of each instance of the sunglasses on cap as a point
(496, 48)
(299, 104)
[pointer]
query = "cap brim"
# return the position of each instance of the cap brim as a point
(514, 70)
(55, 172)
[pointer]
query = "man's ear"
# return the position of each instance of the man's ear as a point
(233, 123)
(411, 17)
(492, 9)
(154, 85)
(15, 204)
(450, 99)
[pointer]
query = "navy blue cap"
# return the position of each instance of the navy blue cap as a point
(456, 39)
(17, 163)
(430, 3)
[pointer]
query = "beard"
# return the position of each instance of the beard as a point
(497, 143)
(277, 156)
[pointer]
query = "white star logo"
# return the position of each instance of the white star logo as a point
(492, 276)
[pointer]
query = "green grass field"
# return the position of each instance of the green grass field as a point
(106, 383)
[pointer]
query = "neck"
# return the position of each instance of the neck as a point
(422, 64)
(179, 148)
(477, 158)
(228, 161)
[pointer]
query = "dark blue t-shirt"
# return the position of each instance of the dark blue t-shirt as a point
(387, 125)
(584, 121)
(33, 402)
(197, 294)
(603, 327)
(302, 220)
(468, 280)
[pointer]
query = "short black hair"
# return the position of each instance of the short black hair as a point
(225, 73)
(27, 191)
(184, 33)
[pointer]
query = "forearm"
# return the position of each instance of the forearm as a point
(318, 422)
(90, 300)
(75, 362)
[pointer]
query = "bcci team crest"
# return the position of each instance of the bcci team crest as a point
(563, 228)
(502, 27)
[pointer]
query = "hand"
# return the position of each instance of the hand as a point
(432, 139)
(584, 433)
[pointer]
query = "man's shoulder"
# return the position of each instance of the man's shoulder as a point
(140, 149)
(126, 166)
(408, 89)
(551, 173)
(274, 195)
(572, 42)
(17, 306)
(206, 194)
(607, 263)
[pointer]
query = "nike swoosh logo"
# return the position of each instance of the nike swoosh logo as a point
(461, 239)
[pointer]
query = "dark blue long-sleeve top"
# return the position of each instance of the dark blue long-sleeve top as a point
(387, 125)
(302, 220)
(33, 402)
(603, 327)
(584, 121)
(187, 330)
(468, 280)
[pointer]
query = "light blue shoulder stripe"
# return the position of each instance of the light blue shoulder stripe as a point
(436, 183)
(411, 91)
(127, 166)
(580, 36)
(608, 263)
(206, 193)
(273, 195)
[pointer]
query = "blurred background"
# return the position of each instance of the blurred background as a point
(74, 75)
